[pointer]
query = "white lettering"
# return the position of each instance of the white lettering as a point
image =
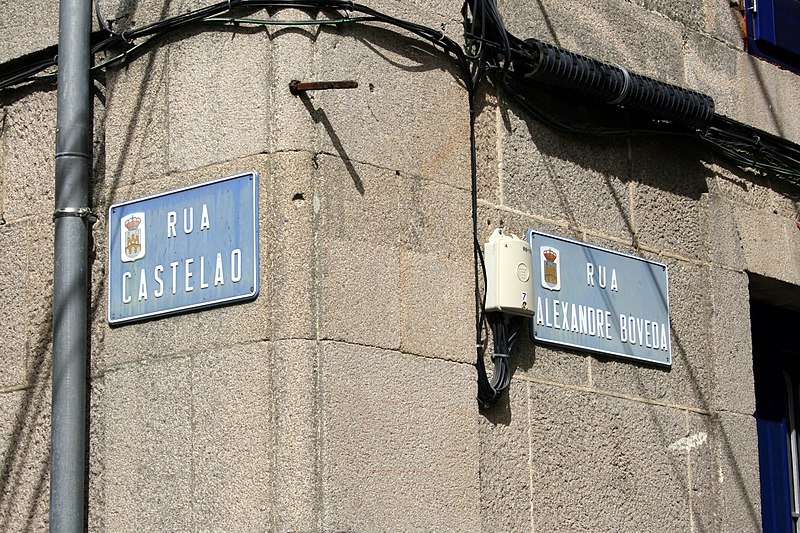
(172, 219)
(126, 298)
(664, 338)
(565, 323)
(236, 265)
(142, 285)
(592, 321)
(159, 292)
(614, 286)
(188, 222)
(219, 279)
(590, 274)
(188, 274)
(203, 284)
(600, 322)
(539, 319)
(204, 222)
(647, 333)
(582, 319)
(631, 330)
(574, 319)
(601, 276)
(555, 314)
(623, 328)
(608, 325)
(174, 266)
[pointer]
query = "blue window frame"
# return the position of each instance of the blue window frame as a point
(773, 31)
(776, 369)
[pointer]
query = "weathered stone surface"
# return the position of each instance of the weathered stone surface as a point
(27, 30)
(296, 484)
(288, 253)
(609, 461)
(359, 290)
(149, 463)
(435, 295)
(415, 123)
(737, 444)
(771, 244)
(701, 446)
(13, 302)
(218, 106)
(710, 68)
(399, 442)
(767, 101)
(581, 183)
(671, 181)
(25, 458)
(29, 162)
(732, 341)
(231, 439)
(137, 126)
(505, 456)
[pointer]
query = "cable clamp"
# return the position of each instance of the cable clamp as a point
(505, 355)
(80, 212)
(625, 87)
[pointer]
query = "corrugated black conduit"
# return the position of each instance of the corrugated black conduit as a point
(555, 67)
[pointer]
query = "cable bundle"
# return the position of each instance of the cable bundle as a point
(504, 332)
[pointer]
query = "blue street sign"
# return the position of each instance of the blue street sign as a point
(185, 249)
(599, 300)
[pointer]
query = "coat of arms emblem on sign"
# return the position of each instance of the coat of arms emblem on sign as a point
(133, 237)
(551, 267)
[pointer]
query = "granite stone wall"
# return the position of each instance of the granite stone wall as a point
(343, 398)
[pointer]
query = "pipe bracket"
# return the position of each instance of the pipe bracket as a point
(81, 212)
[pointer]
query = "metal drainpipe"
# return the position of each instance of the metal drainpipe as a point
(70, 282)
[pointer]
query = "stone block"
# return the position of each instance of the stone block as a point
(701, 446)
(359, 290)
(218, 108)
(98, 454)
(231, 439)
(149, 457)
(766, 96)
(771, 244)
(14, 301)
(39, 295)
(505, 455)
(27, 30)
(410, 113)
(576, 181)
(724, 21)
(723, 241)
(29, 160)
(399, 442)
(610, 31)
(296, 444)
(437, 305)
(289, 256)
(671, 182)
(487, 135)
(738, 472)
(610, 459)
(137, 135)
(732, 341)
(292, 59)
(25, 458)
(689, 381)
(710, 68)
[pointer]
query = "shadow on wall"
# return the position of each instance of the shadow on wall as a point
(24, 473)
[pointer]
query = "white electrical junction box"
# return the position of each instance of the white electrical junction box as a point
(509, 274)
